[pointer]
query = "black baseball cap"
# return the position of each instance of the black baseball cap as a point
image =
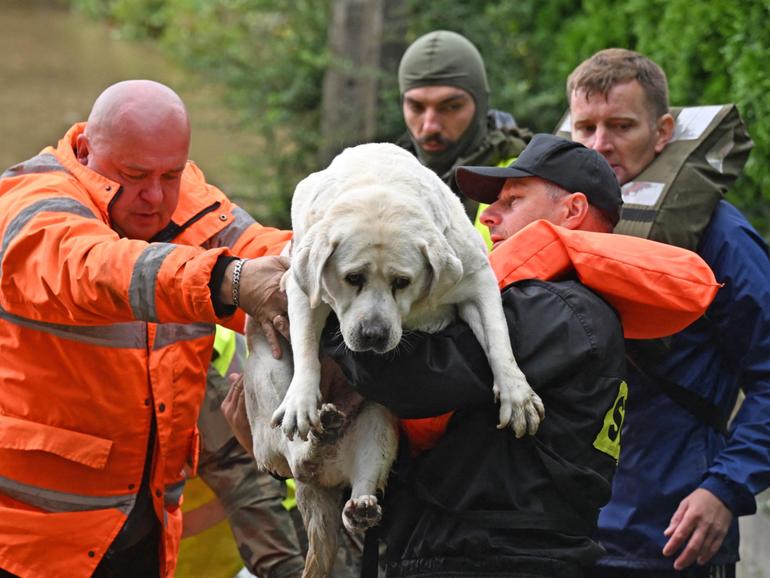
(565, 163)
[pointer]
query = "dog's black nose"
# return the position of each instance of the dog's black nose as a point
(374, 335)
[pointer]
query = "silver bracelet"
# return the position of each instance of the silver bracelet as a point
(237, 281)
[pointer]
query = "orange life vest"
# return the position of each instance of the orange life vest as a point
(99, 336)
(656, 289)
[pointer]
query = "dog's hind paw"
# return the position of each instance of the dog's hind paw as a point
(332, 421)
(361, 513)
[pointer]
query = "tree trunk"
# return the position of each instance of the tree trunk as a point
(359, 39)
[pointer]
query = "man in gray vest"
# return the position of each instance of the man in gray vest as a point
(683, 478)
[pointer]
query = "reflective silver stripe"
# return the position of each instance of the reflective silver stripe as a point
(52, 205)
(228, 236)
(141, 292)
(43, 163)
(53, 501)
(131, 335)
(169, 333)
(173, 493)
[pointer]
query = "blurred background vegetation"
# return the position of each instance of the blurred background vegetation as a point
(275, 59)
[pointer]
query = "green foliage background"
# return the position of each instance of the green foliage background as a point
(272, 54)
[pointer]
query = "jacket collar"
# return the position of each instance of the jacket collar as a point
(101, 189)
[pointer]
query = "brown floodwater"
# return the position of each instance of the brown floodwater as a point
(56, 62)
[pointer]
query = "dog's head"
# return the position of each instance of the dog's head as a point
(374, 265)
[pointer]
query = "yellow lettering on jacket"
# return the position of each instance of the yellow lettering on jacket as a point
(608, 440)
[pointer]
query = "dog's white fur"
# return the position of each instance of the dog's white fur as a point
(382, 241)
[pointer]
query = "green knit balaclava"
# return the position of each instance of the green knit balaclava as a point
(444, 58)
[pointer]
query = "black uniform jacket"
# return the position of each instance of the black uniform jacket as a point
(483, 502)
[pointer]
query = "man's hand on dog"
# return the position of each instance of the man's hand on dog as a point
(234, 409)
(261, 296)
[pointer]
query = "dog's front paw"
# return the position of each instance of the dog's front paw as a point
(521, 408)
(361, 513)
(297, 414)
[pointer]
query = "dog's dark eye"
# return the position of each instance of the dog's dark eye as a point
(401, 282)
(355, 279)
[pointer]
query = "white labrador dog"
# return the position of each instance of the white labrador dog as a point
(382, 241)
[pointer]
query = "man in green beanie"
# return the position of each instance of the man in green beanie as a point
(445, 101)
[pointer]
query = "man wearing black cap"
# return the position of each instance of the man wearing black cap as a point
(444, 98)
(481, 502)
(554, 180)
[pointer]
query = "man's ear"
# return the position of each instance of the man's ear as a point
(665, 127)
(82, 149)
(575, 210)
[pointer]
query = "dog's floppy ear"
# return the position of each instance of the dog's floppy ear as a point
(445, 268)
(309, 260)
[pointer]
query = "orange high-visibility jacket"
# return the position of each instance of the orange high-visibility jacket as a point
(656, 289)
(98, 334)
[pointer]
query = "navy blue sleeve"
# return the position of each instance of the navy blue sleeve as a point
(741, 315)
